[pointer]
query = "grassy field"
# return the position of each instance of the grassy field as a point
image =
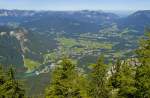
(31, 65)
(86, 43)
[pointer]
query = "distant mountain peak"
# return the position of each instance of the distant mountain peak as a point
(141, 13)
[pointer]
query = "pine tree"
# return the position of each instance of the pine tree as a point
(115, 71)
(114, 83)
(2, 80)
(123, 80)
(2, 76)
(98, 81)
(12, 88)
(64, 82)
(126, 81)
(143, 69)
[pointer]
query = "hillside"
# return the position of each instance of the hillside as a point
(137, 21)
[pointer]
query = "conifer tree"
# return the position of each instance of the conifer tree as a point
(115, 71)
(2, 80)
(143, 68)
(2, 76)
(98, 80)
(12, 88)
(64, 82)
(122, 80)
(126, 81)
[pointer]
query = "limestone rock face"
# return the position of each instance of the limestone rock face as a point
(10, 50)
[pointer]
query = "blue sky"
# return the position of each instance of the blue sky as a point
(76, 4)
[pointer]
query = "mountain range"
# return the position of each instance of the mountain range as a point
(73, 21)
